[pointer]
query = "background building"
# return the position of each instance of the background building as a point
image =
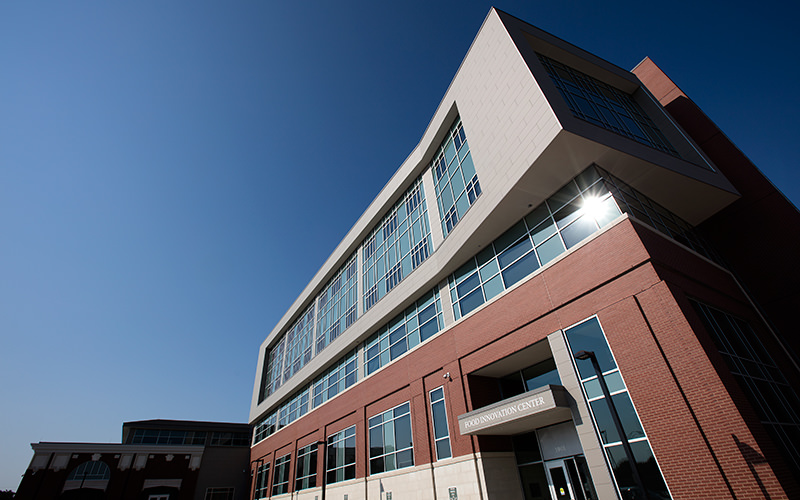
(157, 460)
(560, 217)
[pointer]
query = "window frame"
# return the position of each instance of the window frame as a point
(436, 440)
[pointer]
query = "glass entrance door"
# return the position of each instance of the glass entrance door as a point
(560, 488)
(568, 479)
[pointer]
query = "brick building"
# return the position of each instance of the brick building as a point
(575, 286)
(156, 460)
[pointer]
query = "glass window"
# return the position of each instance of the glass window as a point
(341, 459)
(441, 431)
(262, 481)
(90, 471)
(280, 481)
(648, 211)
(265, 427)
(306, 475)
(219, 493)
(390, 442)
(454, 176)
(336, 379)
(605, 106)
(573, 213)
(589, 336)
(416, 324)
(299, 344)
(336, 305)
(774, 400)
(167, 437)
(396, 246)
(541, 374)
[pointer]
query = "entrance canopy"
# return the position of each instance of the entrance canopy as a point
(537, 408)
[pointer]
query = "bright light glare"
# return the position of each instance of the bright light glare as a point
(594, 207)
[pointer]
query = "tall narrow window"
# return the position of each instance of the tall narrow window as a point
(280, 482)
(306, 467)
(390, 443)
(341, 456)
(589, 336)
(441, 432)
(262, 481)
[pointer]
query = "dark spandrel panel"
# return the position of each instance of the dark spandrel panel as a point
(468, 284)
(588, 336)
(427, 313)
(510, 237)
(520, 269)
(428, 330)
(526, 448)
(534, 482)
(514, 252)
(376, 465)
(471, 302)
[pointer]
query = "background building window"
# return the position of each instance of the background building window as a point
(441, 431)
(230, 439)
(306, 473)
(390, 443)
(219, 493)
(90, 471)
(280, 481)
(341, 460)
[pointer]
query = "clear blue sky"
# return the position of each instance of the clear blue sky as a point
(173, 173)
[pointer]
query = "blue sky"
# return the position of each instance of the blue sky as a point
(172, 174)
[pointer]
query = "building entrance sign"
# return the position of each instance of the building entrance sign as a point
(543, 406)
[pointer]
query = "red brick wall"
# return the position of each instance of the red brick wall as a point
(679, 394)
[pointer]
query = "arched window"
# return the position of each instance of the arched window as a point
(90, 471)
